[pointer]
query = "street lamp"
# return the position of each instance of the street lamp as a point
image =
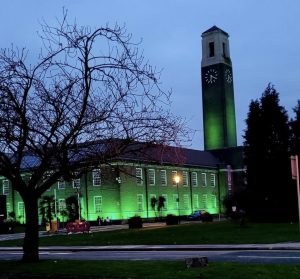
(79, 209)
(176, 180)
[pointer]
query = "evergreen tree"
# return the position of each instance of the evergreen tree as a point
(271, 195)
(295, 131)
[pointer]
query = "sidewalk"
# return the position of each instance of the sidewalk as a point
(93, 229)
(203, 247)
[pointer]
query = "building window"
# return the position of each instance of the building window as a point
(204, 201)
(224, 49)
(194, 179)
(61, 184)
(203, 179)
(139, 176)
(196, 201)
(140, 201)
(8, 209)
(175, 201)
(211, 46)
(163, 178)
(212, 180)
(174, 173)
(185, 181)
(76, 183)
(151, 174)
(214, 201)
(186, 201)
(96, 177)
(166, 201)
(98, 204)
(61, 205)
(21, 210)
(5, 184)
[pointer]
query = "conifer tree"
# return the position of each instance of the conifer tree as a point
(295, 131)
(267, 159)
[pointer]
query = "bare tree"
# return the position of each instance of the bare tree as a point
(88, 97)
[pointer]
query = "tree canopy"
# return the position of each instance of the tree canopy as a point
(271, 193)
(86, 86)
(295, 130)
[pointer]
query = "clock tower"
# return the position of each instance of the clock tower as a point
(217, 91)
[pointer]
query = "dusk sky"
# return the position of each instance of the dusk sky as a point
(264, 43)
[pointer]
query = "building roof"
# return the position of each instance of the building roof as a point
(215, 29)
(230, 156)
(135, 152)
(169, 155)
(200, 158)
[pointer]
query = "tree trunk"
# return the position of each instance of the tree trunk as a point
(31, 239)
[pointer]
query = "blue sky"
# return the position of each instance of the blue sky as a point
(264, 43)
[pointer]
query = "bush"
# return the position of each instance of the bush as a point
(206, 217)
(7, 226)
(172, 219)
(135, 222)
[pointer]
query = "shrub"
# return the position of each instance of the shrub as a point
(135, 222)
(172, 219)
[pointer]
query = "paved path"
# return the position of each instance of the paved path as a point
(241, 256)
(203, 247)
(291, 246)
(13, 236)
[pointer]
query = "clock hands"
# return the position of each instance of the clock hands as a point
(211, 76)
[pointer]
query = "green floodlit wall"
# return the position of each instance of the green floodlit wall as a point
(124, 199)
(218, 111)
(130, 191)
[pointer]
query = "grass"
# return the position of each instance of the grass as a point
(145, 269)
(201, 233)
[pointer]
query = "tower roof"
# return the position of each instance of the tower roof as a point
(214, 28)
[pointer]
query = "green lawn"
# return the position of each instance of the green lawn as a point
(201, 233)
(145, 269)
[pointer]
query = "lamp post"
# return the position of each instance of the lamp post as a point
(177, 179)
(79, 209)
(77, 192)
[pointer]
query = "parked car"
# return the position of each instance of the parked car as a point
(196, 215)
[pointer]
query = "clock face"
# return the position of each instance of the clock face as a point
(211, 76)
(228, 76)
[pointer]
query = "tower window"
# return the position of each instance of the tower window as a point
(211, 49)
(224, 49)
